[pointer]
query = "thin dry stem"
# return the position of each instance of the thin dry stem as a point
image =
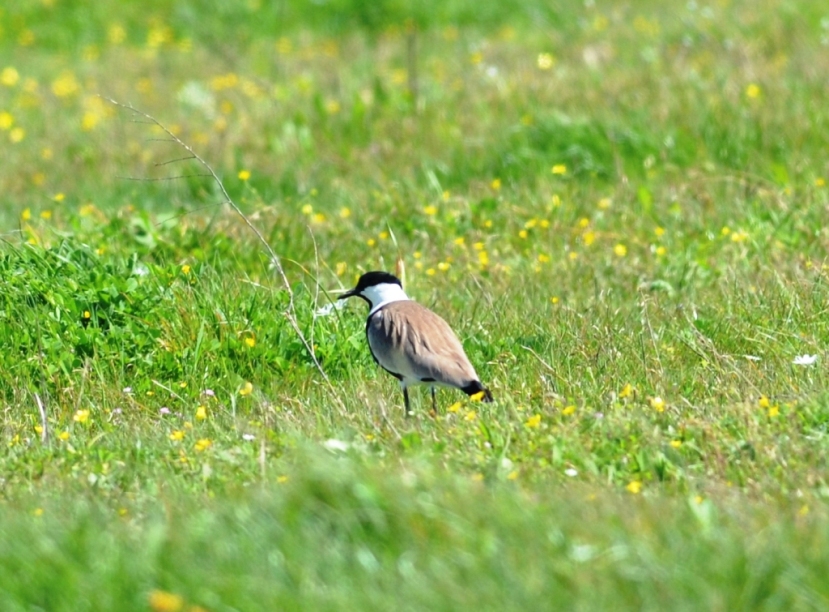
(44, 422)
(290, 311)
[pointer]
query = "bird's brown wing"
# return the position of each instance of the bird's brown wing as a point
(411, 341)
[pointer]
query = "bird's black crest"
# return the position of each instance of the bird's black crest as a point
(369, 279)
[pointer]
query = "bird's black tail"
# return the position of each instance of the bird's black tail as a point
(476, 387)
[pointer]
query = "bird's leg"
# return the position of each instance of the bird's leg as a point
(406, 401)
(434, 401)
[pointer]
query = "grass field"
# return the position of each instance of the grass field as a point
(620, 207)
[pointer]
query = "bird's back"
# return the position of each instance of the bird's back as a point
(414, 343)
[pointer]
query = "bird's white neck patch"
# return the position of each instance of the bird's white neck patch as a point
(382, 294)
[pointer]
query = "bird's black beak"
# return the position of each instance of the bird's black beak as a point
(347, 294)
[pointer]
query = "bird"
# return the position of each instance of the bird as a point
(411, 342)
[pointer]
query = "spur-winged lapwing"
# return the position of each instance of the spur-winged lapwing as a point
(411, 342)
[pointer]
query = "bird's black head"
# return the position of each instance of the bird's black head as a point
(369, 280)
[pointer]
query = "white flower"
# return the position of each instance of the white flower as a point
(328, 309)
(248, 437)
(571, 472)
(805, 360)
(752, 357)
(336, 445)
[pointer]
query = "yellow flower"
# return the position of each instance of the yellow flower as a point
(588, 238)
(605, 203)
(753, 91)
(345, 212)
(620, 250)
(9, 76)
(774, 411)
(6, 120)
(38, 512)
(659, 231)
(763, 402)
(246, 389)
(185, 269)
(371, 242)
(634, 486)
(676, 443)
(542, 258)
(657, 403)
(307, 209)
(512, 475)
(533, 421)
(554, 300)
(455, 407)
(820, 182)
(431, 210)
(430, 272)
(17, 134)
(65, 85)
(443, 266)
(26, 214)
(244, 175)
(495, 184)
(470, 416)
(46, 214)
(318, 218)
(523, 234)
(116, 34)
(162, 601)
(483, 258)
(201, 413)
(545, 61)
(626, 391)
(559, 169)
(250, 341)
(568, 410)
(341, 268)
(459, 241)
(87, 314)
(64, 435)
(282, 479)
(203, 445)
(332, 107)
(26, 38)
(284, 45)
(81, 416)
(177, 435)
